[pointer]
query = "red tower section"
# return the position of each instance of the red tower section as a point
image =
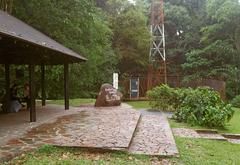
(157, 70)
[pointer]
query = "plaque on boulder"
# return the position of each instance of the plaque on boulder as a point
(108, 96)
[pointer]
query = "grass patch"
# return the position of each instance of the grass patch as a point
(192, 151)
(139, 104)
(70, 156)
(73, 102)
(207, 152)
(234, 125)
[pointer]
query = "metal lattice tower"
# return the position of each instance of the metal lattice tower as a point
(157, 50)
(157, 54)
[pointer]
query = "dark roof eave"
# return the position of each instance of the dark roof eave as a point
(17, 29)
(82, 59)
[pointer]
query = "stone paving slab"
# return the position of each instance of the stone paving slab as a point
(186, 133)
(89, 127)
(212, 136)
(100, 128)
(190, 133)
(153, 137)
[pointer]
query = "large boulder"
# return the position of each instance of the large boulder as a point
(108, 96)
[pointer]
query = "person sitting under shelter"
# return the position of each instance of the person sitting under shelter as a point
(26, 93)
(15, 104)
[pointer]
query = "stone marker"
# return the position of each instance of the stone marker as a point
(108, 96)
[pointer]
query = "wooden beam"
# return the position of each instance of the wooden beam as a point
(43, 85)
(7, 88)
(66, 86)
(32, 93)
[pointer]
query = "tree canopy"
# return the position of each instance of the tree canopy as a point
(202, 39)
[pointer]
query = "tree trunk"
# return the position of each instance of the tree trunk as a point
(6, 5)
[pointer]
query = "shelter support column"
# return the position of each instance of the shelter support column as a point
(7, 88)
(43, 85)
(32, 93)
(66, 85)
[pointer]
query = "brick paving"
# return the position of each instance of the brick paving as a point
(154, 137)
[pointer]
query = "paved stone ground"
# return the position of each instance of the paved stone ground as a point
(89, 127)
(190, 133)
(154, 137)
(100, 128)
(15, 125)
(17, 134)
(86, 126)
(186, 133)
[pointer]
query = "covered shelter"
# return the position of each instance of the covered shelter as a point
(21, 44)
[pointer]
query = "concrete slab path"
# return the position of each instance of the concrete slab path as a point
(153, 137)
(108, 127)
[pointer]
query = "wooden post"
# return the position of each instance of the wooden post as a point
(7, 88)
(165, 72)
(66, 86)
(43, 85)
(32, 93)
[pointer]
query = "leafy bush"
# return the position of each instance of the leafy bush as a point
(236, 101)
(162, 98)
(181, 94)
(203, 107)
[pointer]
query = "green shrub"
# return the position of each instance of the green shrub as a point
(166, 98)
(162, 98)
(236, 101)
(203, 107)
(181, 94)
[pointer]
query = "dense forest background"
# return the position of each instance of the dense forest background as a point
(203, 40)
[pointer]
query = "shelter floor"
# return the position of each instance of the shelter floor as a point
(14, 125)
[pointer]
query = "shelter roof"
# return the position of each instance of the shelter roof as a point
(22, 44)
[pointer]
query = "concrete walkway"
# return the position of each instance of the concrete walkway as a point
(154, 136)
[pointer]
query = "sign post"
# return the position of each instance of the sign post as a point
(115, 80)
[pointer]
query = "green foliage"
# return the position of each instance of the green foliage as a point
(131, 35)
(218, 56)
(219, 46)
(81, 26)
(183, 21)
(236, 101)
(116, 31)
(201, 106)
(162, 98)
(204, 107)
